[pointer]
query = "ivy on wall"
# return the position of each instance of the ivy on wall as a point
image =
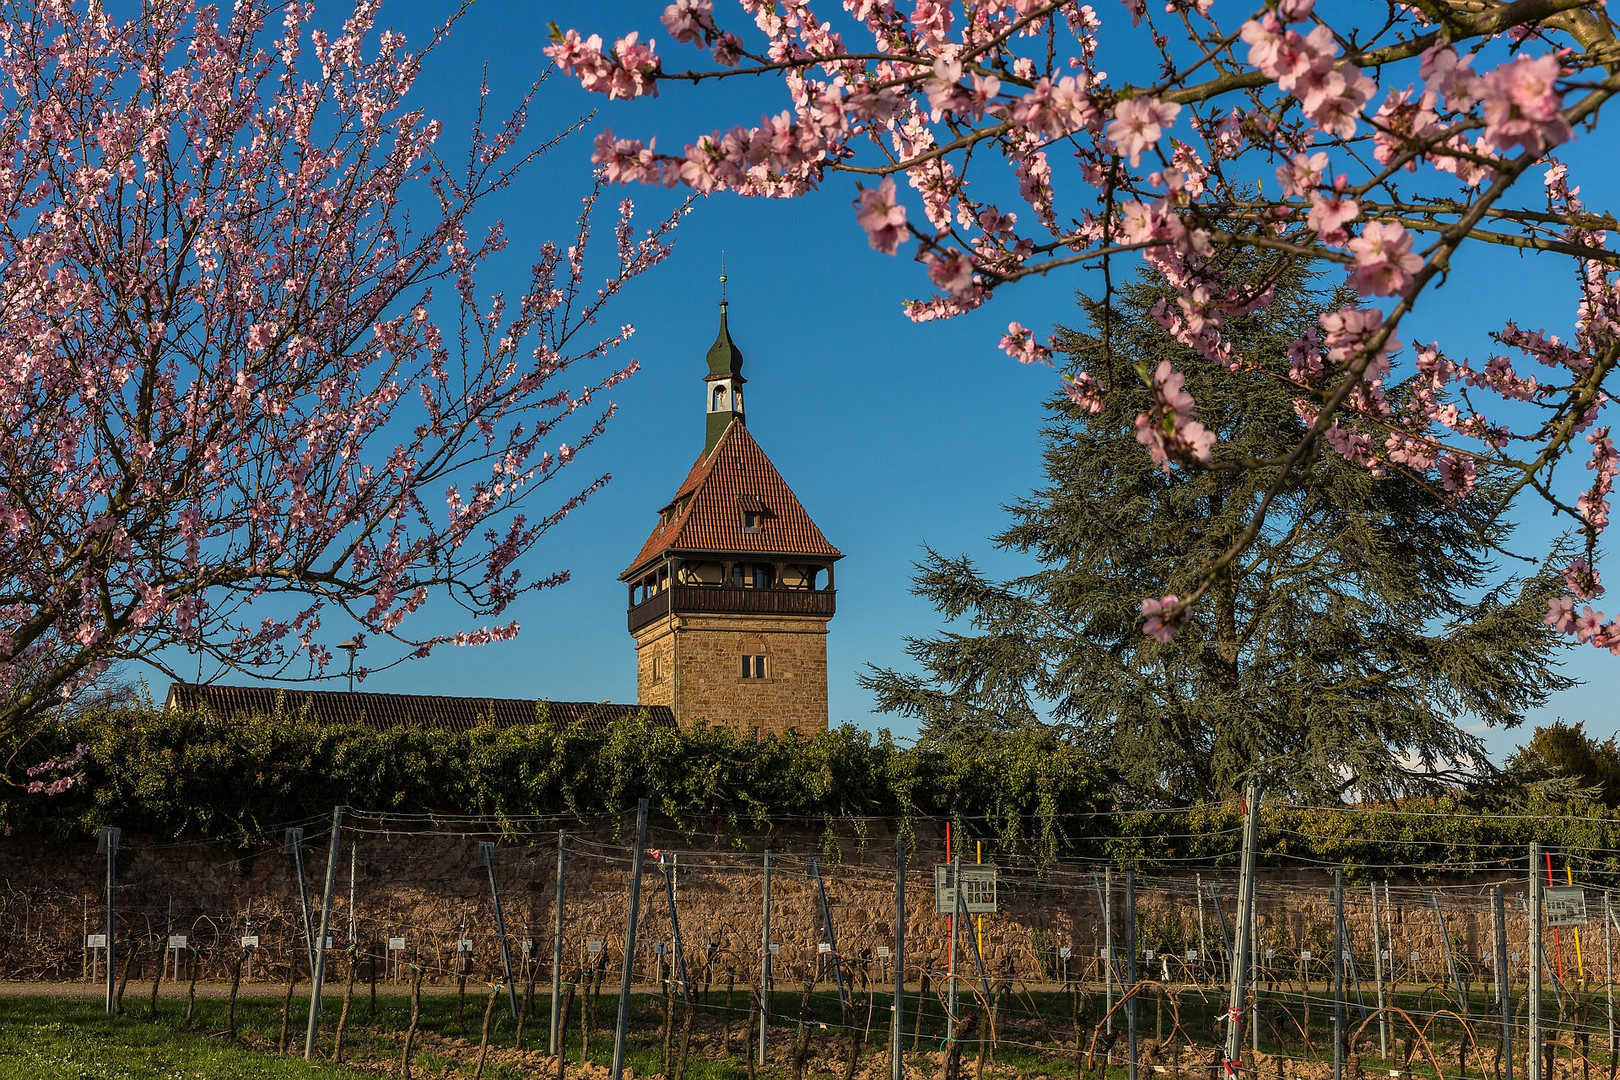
(169, 774)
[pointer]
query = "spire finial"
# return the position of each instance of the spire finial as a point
(722, 280)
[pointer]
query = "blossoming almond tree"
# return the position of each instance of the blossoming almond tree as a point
(1381, 138)
(247, 372)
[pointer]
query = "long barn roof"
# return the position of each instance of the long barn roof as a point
(384, 711)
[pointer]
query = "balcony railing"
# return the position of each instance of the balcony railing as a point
(727, 600)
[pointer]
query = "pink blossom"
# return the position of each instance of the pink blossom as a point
(1385, 261)
(1450, 79)
(689, 20)
(1162, 618)
(1330, 213)
(1170, 432)
(1021, 345)
(881, 215)
(1302, 173)
(1085, 391)
(1521, 103)
(1457, 473)
(953, 272)
(1561, 614)
(1138, 124)
(1588, 625)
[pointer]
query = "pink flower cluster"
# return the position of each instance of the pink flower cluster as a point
(630, 70)
(1303, 65)
(1164, 615)
(1020, 344)
(1169, 430)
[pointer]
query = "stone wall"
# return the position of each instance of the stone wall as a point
(424, 886)
(702, 654)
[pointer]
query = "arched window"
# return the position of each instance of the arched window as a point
(719, 402)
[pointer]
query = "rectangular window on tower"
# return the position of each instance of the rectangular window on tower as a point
(753, 667)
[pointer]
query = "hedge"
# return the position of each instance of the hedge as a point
(170, 774)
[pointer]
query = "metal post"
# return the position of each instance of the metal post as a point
(317, 970)
(557, 943)
(1203, 947)
(1533, 1051)
(1220, 920)
(292, 843)
(1504, 989)
(1451, 961)
(973, 946)
(1130, 973)
(679, 964)
(354, 868)
(765, 959)
(108, 844)
(486, 856)
(1254, 964)
(629, 941)
(1234, 1005)
(897, 1022)
(1108, 946)
(1608, 964)
(950, 954)
(1338, 975)
(832, 939)
(1378, 977)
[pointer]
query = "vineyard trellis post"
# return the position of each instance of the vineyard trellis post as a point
(1451, 961)
(317, 967)
(1608, 965)
(1254, 963)
(486, 859)
(1106, 899)
(679, 965)
(1338, 974)
(1504, 989)
(108, 844)
(1533, 1051)
(831, 939)
(629, 941)
(765, 958)
(897, 1007)
(1378, 977)
(1130, 973)
(293, 844)
(1235, 1001)
(557, 942)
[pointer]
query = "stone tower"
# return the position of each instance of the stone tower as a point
(731, 594)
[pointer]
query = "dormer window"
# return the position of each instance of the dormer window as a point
(752, 521)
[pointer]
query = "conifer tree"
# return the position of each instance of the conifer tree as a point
(1349, 650)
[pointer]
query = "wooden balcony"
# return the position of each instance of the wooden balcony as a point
(727, 600)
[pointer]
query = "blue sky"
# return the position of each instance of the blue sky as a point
(893, 435)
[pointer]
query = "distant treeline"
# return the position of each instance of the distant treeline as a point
(170, 774)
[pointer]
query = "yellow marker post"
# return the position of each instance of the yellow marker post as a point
(1569, 878)
(978, 920)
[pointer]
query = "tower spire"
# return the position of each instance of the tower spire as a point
(723, 384)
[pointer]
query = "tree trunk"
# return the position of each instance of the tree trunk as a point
(123, 980)
(562, 1030)
(410, 1032)
(236, 984)
(286, 1003)
(483, 1041)
(348, 1000)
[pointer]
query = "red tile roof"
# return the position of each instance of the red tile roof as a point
(383, 711)
(736, 476)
